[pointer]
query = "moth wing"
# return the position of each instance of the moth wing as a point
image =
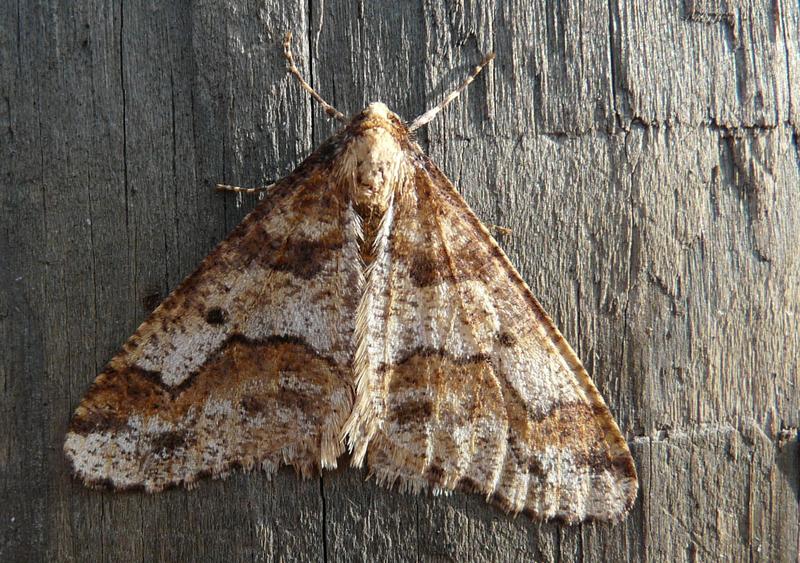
(246, 363)
(463, 381)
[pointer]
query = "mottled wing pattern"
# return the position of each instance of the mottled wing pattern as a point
(463, 380)
(247, 363)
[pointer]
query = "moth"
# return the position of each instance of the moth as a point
(363, 306)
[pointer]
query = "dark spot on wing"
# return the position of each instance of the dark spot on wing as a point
(506, 339)
(411, 412)
(535, 468)
(216, 316)
(168, 441)
(252, 405)
(429, 269)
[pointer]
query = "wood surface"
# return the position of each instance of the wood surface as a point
(644, 154)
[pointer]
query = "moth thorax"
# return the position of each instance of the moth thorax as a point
(378, 167)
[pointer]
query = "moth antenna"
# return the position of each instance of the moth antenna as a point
(434, 111)
(294, 71)
(240, 190)
(505, 231)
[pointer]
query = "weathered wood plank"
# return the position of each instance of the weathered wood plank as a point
(645, 155)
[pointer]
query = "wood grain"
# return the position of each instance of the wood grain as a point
(644, 154)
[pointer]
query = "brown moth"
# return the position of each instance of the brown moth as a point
(362, 304)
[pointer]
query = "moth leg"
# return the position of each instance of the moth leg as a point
(240, 190)
(505, 231)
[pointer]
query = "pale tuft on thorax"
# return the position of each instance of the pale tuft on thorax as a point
(374, 163)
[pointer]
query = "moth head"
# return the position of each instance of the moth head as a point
(375, 159)
(377, 114)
